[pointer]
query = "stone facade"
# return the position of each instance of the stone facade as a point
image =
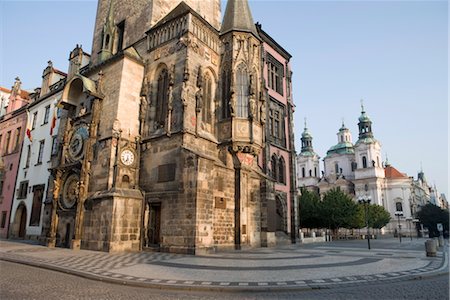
(165, 134)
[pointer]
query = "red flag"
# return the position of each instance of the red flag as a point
(55, 116)
(29, 126)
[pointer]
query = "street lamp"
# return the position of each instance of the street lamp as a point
(409, 227)
(399, 214)
(366, 201)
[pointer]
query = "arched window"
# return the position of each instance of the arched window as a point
(242, 92)
(364, 162)
(398, 206)
(225, 95)
(315, 171)
(207, 99)
(274, 167)
(281, 171)
(162, 97)
(336, 168)
(303, 172)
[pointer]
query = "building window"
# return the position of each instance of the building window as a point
(225, 95)
(54, 145)
(303, 173)
(46, 115)
(41, 152)
(336, 168)
(207, 99)
(27, 162)
(281, 171)
(315, 171)
(23, 190)
(364, 162)
(242, 92)
(274, 167)
(33, 124)
(1, 187)
(120, 32)
(353, 165)
(3, 224)
(275, 74)
(398, 206)
(162, 97)
(276, 124)
(17, 142)
(8, 139)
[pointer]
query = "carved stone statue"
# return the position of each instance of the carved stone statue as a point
(232, 103)
(199, 100)
(252, 106)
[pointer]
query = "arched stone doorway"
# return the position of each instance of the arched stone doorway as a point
(19, 225)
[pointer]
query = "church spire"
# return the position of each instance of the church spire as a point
(365, 124)
(306, 140)
(238, 17)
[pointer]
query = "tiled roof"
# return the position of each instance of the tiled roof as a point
(391, 172)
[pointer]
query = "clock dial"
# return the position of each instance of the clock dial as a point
(76, 144)
(70, 192)
(127, 157)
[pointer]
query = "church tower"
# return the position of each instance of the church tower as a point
(308, 169)
(369, 173)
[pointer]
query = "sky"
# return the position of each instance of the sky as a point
(391, 54)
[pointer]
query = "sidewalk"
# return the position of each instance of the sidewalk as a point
(289, 267)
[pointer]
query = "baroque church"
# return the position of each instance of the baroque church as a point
(175, 134)
(358, 170)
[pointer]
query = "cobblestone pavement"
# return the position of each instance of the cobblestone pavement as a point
(37, 283)
(290, 267)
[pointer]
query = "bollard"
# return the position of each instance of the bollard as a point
(430, 248)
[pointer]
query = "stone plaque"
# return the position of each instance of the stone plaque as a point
(166, 172)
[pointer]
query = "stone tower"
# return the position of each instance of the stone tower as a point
(164, 132)
(121, 23)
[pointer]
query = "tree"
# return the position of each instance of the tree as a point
(430, 215)
(378, 216)
(309, 209)
(339, 210)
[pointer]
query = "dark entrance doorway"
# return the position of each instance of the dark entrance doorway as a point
(154, 225)
(23, 222)
(67, 237)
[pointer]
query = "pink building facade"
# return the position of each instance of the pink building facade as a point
(280, 150)
(12, 131)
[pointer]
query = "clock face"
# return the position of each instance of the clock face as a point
(70, 192)
(127, 157)
(76, 144)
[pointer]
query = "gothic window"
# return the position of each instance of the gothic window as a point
(364, 162)
(225, 95)
(207, 99)
(274, 167)
(276, 124)
(281, 171)
(398, 206)
(242, 92)
(162, 97)
(275, 72)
